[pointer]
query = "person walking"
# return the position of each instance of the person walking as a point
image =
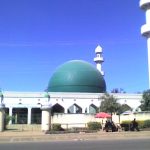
(134, 125)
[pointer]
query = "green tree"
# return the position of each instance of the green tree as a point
(109, 104)
(145, 103)
(118, 90)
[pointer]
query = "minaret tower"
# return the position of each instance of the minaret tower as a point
(99, 59)
(145, 29)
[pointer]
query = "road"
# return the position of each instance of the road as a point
(138, 144)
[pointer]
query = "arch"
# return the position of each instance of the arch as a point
(36, 116)
(92, 109)
(6, 111)
(74, 109)
(20, 115)
(57, 109)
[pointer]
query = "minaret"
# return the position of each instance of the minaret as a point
(145, 29)
(99, 59)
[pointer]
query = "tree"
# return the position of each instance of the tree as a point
(118, 90)
(145, 103)
(109, 104)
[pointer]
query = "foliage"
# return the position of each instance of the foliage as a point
(118, 90)
(8, 118)
(141, 123)
(109, 104)
(94, 125)
(145, 103)
(146, 124)
(56, 127)
(126, 122)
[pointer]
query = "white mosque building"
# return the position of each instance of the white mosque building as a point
(74, 93)
(73, 96)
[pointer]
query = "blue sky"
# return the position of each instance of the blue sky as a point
(36, 36)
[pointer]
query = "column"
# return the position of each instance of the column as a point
(148, 46)
(10, 114)
(88, 109)
(46, 118)
(2, 113)
(29, 115)
(66, 110)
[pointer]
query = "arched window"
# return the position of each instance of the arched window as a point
(20, 115)
(57, 109)
(93, 109)
(74, 109)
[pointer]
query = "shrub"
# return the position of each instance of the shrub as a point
(146, 124)
(125, 126)
(94, 125)
(126, 122)
(56, 127)
(141, 123)
(8, 118)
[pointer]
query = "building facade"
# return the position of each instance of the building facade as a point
(75, 88)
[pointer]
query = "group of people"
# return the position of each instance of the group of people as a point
(111, 126)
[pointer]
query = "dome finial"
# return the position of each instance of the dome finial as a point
(98, 49)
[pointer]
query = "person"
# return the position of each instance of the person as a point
(113, 127)
(108, 126)
(134, 125)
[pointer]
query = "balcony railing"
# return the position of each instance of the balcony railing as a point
(99, 59)
(144, 4)
(145, 30)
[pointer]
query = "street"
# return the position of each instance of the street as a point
(124, 144)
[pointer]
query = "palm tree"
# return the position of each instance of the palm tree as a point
(109, 104)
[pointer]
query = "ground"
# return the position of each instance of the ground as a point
(26, 136)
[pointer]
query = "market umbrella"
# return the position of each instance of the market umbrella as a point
(102, 115)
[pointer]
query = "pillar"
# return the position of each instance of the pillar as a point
(10, 114)
(29, 115)
(66, 110)
(46, 118)
(2, 114)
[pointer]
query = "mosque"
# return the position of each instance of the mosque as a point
(74, 94)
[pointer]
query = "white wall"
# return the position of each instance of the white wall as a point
(81, 120)
(35, 99)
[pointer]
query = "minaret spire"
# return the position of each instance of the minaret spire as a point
(99, 59)
(145, 29)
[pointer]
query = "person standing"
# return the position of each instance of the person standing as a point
(134, 125)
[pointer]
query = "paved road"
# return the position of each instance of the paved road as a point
(138, 144)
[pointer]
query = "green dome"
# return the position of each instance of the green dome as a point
(77, 76)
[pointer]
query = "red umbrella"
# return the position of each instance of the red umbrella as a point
(102, 115)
